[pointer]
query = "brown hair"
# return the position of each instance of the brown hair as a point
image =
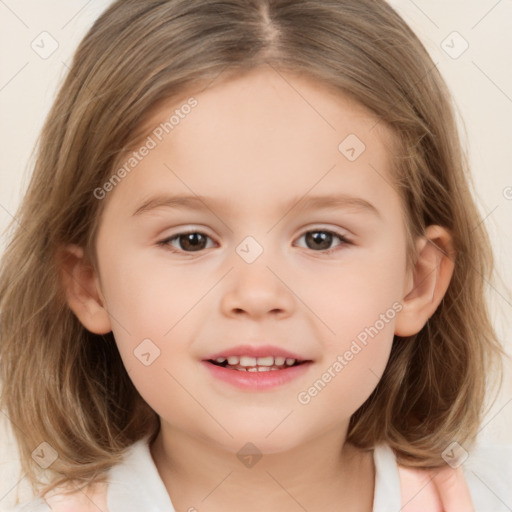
(68, 387)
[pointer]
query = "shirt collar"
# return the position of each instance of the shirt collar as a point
(135, 484)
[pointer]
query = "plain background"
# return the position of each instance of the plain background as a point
(479, 76)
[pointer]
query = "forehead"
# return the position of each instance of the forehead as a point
(263, 133)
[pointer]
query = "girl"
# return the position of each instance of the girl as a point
(248, 272)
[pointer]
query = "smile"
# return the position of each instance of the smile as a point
(256, 374)
(255, 364)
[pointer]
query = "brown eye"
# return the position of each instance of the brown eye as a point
(321, 240)
(187, 242)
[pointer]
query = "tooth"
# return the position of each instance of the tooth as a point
(273, 369)
(265, 361)
(263, 368)
(252, 369)
(289, 362)
(220, 359)
(247, 361)
(279, 361)
(233, 360)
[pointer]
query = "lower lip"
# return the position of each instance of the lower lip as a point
(257, 381)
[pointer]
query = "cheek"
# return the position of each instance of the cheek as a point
(349, 372)
(148, 297)
(358, 302)
(352, 294)
(152, 311)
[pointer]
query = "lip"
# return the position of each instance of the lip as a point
(257, 351)
(256, 381)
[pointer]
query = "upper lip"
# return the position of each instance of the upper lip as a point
(257, 351)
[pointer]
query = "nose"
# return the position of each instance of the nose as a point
(256, 290)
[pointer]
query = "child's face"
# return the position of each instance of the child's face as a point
(253, 148)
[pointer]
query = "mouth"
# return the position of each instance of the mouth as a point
(257, 364)
(256, 367)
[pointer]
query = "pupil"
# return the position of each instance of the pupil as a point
(320, 236)
(191, 240)
(194, 241)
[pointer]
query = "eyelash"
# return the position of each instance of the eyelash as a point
(166, 243)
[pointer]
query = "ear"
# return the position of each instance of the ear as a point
(82, 289)
(428, 280)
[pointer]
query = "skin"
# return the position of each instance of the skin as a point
(255, 143)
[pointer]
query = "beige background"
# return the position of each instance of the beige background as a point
(480, 79)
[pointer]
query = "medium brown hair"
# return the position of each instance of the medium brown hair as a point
(68, 387)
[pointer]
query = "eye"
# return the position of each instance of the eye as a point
(192, 241)
(322, 239)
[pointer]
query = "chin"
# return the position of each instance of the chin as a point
(258, 435)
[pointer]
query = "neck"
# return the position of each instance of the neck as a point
(324, 473)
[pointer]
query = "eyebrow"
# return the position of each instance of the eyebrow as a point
(196, 202)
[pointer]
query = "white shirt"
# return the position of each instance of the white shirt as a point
(135, 484)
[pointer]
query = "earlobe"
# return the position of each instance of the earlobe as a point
(431, 277)
(82, 289)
